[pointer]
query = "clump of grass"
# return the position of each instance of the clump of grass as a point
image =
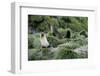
(34, 54)
(30, 41)
(40, 54)
(54, 41)
(64, 53)
(69, 45)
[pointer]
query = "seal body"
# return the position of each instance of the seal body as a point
(43, 40)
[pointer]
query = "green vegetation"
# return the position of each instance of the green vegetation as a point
(67, 36)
